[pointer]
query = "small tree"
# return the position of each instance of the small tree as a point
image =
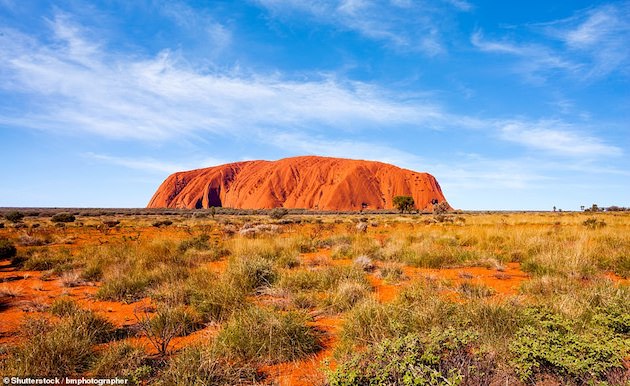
(440, 208)
(403, 203)
(161, 328)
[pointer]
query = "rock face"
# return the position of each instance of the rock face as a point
(308, 182)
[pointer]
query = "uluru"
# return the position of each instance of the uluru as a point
(308, 182)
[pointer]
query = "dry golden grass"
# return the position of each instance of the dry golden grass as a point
(265, 297)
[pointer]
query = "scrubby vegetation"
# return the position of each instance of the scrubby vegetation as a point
(441, 357)
(7, 249)
(403, 203)
(237, 297)
(62, 217)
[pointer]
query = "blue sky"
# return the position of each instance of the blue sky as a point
(510, 105)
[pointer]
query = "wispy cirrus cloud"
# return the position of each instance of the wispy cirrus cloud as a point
(555, 137)
(83, 88)
(152, 165)
(302, 143)
(214, 34)
(400, 24)
(589, 45)
(600, 36)
(536, 61)
(72, 84)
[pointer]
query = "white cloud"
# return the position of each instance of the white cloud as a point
(74, 86)
(589, 45)
(462, 5)
(399, 24)
(555, 137)
(344, 148)
(198, 23)
(153, 165)
(595, 28)
(536, 60)
(602, 36)
(84, 89)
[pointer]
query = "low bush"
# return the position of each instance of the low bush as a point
(162, 223)
(111, 223)
(278, 213)
(62, 217)
(554, 344)
(444, 357)
(14, 216)
(7, 249)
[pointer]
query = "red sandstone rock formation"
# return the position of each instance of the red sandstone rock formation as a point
(309, 182)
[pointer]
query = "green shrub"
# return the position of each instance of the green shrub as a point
(554, 344)
(259, 334)
(62, 217)
(7, 249)
(444, 357)
(403, 203)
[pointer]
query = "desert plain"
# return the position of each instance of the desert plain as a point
(219, 296)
